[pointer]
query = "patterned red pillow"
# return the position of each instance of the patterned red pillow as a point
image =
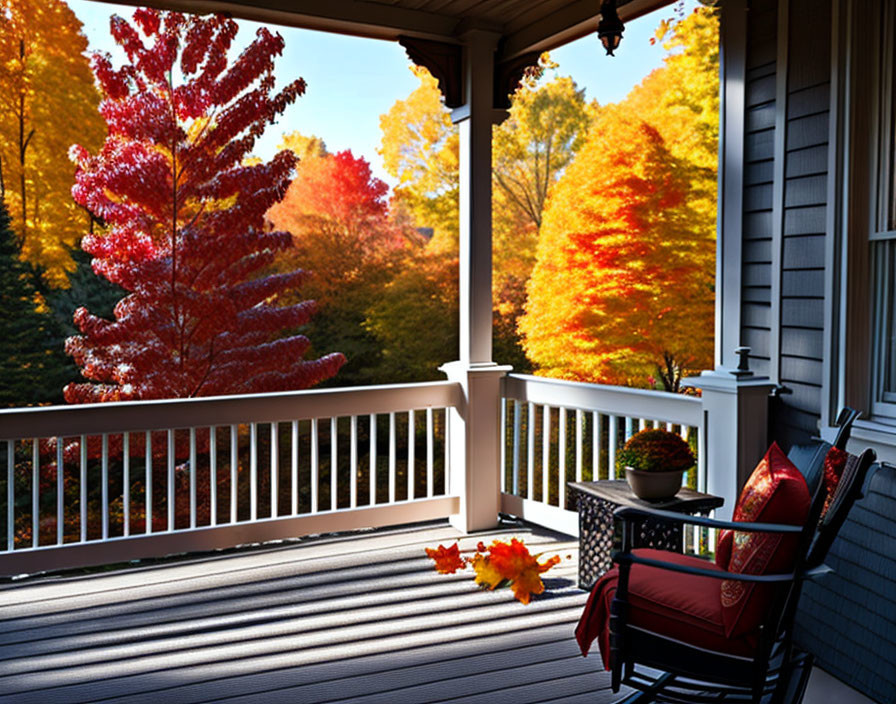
(775, 493)
(834, 464)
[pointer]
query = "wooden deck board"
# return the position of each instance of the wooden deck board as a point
(352, 618)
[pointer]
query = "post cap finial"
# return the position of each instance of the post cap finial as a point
(743, 362)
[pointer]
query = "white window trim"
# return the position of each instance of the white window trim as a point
(861, 220)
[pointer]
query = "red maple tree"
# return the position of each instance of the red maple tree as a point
(185, 219)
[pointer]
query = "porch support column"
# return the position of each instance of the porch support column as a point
(736, 413)
(474, 120)
(474, 429)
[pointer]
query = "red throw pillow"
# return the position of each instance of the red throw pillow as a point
(776, 492)
(834, 464)
(723, 548)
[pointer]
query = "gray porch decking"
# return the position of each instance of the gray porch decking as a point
(361, 619)
(341, 619)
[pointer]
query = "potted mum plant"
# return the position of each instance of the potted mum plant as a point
(654, 462)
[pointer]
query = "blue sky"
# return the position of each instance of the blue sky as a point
(352, 81)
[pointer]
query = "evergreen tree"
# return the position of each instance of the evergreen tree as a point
(85, 288)
(32, 370)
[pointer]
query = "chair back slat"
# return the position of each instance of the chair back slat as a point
(849, 490)
(809, 458)
(847, 417)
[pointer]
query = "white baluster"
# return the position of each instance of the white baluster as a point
(60, 494)
(275, 469)
(314, 465)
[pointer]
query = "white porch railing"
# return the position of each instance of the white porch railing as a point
(110, 482)
(106, 483)
(561, 431)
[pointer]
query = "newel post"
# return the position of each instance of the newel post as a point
(474, 444)
(736, 412)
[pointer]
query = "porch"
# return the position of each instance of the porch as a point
(356, 617)
(225, 627)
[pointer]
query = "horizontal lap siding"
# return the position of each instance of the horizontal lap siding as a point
(848, 619)
(804, 221)
(759, 151)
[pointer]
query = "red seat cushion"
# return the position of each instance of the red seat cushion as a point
(680, 606)
(776, 492)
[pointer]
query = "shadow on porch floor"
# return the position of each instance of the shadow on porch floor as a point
(360, 618)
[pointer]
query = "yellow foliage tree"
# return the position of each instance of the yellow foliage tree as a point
(419, 147)
(531, 148)
(622, 290)
(47, 103)
(681, 100)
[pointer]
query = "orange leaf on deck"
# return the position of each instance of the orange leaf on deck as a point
(448, 560)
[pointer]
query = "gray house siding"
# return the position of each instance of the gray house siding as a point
(786, 126)
(848, 619)
(759, 151)
(803, 225)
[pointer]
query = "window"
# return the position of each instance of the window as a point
(882, 225)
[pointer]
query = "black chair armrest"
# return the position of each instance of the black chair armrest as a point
(624, 558)
(631, 514)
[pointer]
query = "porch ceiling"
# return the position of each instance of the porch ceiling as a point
(525, 25)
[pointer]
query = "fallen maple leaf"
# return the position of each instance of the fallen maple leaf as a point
(448, 560)
(487, 576)
(512, 562)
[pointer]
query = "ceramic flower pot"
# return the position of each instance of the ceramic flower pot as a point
(654, 486)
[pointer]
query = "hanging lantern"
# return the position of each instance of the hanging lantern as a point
(610, 29)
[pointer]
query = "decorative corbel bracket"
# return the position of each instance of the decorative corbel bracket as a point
(444, 61)
(508, 76)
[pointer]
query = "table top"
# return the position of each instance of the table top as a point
(618, 492)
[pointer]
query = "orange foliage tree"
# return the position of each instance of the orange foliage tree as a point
(621, 283)
(342, 231)
(623, 288)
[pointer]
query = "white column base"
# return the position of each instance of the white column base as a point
(474, 450)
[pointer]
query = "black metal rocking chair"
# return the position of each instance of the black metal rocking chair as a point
(667, 668)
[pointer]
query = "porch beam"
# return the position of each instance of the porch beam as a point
(523, 32)
(354, 17)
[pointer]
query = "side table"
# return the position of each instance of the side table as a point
(596, 502)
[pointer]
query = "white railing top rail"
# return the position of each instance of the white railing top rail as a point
(615, 400)
(135, 416)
